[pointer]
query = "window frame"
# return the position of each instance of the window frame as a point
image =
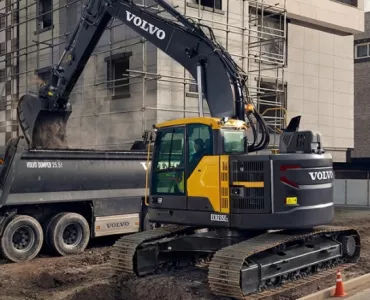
(110, 65)
(354, 3)
(362, 44)
(196, 5)
(222, 132)
(188, 171)
(41, 14)
(3, 22)
(275, 18)
(3, 75)
(201, 3)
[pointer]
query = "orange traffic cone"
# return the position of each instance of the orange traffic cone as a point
(339, 288)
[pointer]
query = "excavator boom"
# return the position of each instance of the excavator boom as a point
(43, 117)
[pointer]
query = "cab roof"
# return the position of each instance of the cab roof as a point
(215, 123)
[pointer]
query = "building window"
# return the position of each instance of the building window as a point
(2, 22)
(272, 45)
(118, 75)
(2, 75)
(349, 2)
(8, 33)
(362, 50)
(2, 48)
(193, 88)
(8, 87)
(15, 17)
(45, 15)
(215, 4)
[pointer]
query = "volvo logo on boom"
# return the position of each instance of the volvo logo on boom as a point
(144, 25)
(321, 175)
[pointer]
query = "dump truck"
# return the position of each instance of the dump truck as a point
(61, 199)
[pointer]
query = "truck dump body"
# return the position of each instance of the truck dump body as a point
(62, 198)
(43, 176)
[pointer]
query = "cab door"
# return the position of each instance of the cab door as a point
(168, 186)
(202, 173)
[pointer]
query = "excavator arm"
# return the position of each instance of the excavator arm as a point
(43, 117)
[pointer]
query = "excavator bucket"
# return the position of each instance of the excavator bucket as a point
(42, 127)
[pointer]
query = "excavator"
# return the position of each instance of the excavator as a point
(260, 218)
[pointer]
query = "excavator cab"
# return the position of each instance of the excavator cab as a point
(223, 185)
(183, 147)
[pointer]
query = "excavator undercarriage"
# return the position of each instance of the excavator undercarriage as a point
(240, 263)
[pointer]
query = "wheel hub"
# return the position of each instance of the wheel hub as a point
(23, 238)
(72, 234)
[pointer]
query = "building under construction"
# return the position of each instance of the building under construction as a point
(298, 56)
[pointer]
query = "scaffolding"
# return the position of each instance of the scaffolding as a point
(267, 59)
(111, 111)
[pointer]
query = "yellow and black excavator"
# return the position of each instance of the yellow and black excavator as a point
(261, 218)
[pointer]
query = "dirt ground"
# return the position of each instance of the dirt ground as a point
(85, 276)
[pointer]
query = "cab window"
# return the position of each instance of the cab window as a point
(200, 143)
(168, 171)
(234, 141)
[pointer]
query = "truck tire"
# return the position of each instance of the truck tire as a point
(46, 227)
(68, 233)
(22, 239)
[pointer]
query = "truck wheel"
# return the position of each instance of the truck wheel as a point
(46, 228)
(68, 233)
(22, 239)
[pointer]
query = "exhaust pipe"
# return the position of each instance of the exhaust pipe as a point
(42, 127)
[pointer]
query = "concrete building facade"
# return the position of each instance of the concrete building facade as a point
(362, 91)
(298, 55)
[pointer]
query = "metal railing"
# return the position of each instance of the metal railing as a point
(351, 188)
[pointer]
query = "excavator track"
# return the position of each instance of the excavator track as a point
(298, 283)
(123, 252)
(224, 276)
(225, 267)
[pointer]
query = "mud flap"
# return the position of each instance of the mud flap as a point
(42, 127)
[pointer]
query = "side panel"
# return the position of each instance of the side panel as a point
(307, 179)
(117, 206)
(38, 180)
(204, 182)
(118, 224)
(68, 175)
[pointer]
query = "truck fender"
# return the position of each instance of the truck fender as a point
(4, 220)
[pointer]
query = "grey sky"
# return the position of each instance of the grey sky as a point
(367, 5)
